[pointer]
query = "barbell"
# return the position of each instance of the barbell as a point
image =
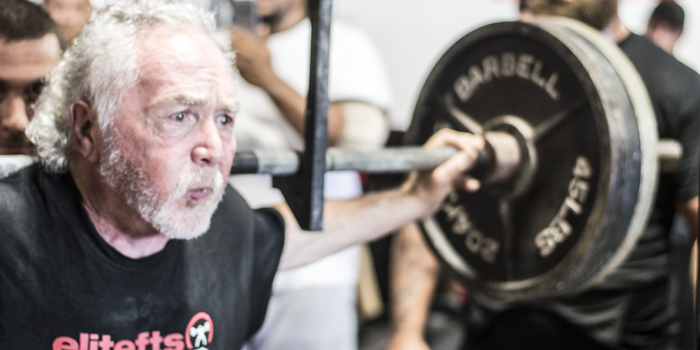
(496, 163)
(568, 173)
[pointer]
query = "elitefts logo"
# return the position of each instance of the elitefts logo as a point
(200, 331)
(197, 336)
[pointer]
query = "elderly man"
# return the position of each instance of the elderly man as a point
(30, 46)
(125, 236)
(631, 309)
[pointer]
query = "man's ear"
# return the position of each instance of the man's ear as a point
(85, 128)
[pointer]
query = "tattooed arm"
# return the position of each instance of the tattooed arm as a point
(414, 272)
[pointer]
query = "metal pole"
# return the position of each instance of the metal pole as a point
(304, 193)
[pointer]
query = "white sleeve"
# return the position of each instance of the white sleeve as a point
(356, 69)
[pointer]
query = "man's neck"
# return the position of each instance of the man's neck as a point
(120, 225)
(135, 247)
(616, 31)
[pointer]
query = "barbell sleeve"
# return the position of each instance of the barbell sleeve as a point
(669, 153)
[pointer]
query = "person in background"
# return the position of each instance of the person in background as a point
(524, 10)
(665, 25)
(313, 307)
(30, 46)
(634, 307)
(71, 15)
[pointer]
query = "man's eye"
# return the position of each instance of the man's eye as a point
(225, 120)
(178, 117)
(33, 91)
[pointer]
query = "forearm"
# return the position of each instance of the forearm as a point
(370, 216)
(347, 223)
(414, 272)
(293, 107)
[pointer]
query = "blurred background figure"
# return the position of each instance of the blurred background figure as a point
(665, 25)
(70, 15)
(30, 46)
(313, 307)
(524, 10)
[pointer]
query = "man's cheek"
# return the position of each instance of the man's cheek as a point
(163, 182)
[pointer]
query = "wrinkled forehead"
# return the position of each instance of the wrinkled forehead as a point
(168, 44)
(182, 55)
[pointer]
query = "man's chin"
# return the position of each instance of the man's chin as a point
(187, 233)
(184, 227)
(186, 223)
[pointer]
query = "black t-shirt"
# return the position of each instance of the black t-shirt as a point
(632, 308)
(63, 287)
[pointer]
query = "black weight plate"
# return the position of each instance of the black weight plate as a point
(529, 237)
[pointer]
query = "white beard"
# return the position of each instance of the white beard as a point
(165, 214)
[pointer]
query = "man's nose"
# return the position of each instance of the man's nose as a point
(209, 149)
(14, 114)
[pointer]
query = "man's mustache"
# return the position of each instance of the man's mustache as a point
(201, 178)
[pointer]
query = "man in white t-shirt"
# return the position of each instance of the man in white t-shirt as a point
(312, 307)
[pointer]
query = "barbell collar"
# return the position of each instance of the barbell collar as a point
(669, 154)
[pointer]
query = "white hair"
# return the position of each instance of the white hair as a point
(100, 67)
